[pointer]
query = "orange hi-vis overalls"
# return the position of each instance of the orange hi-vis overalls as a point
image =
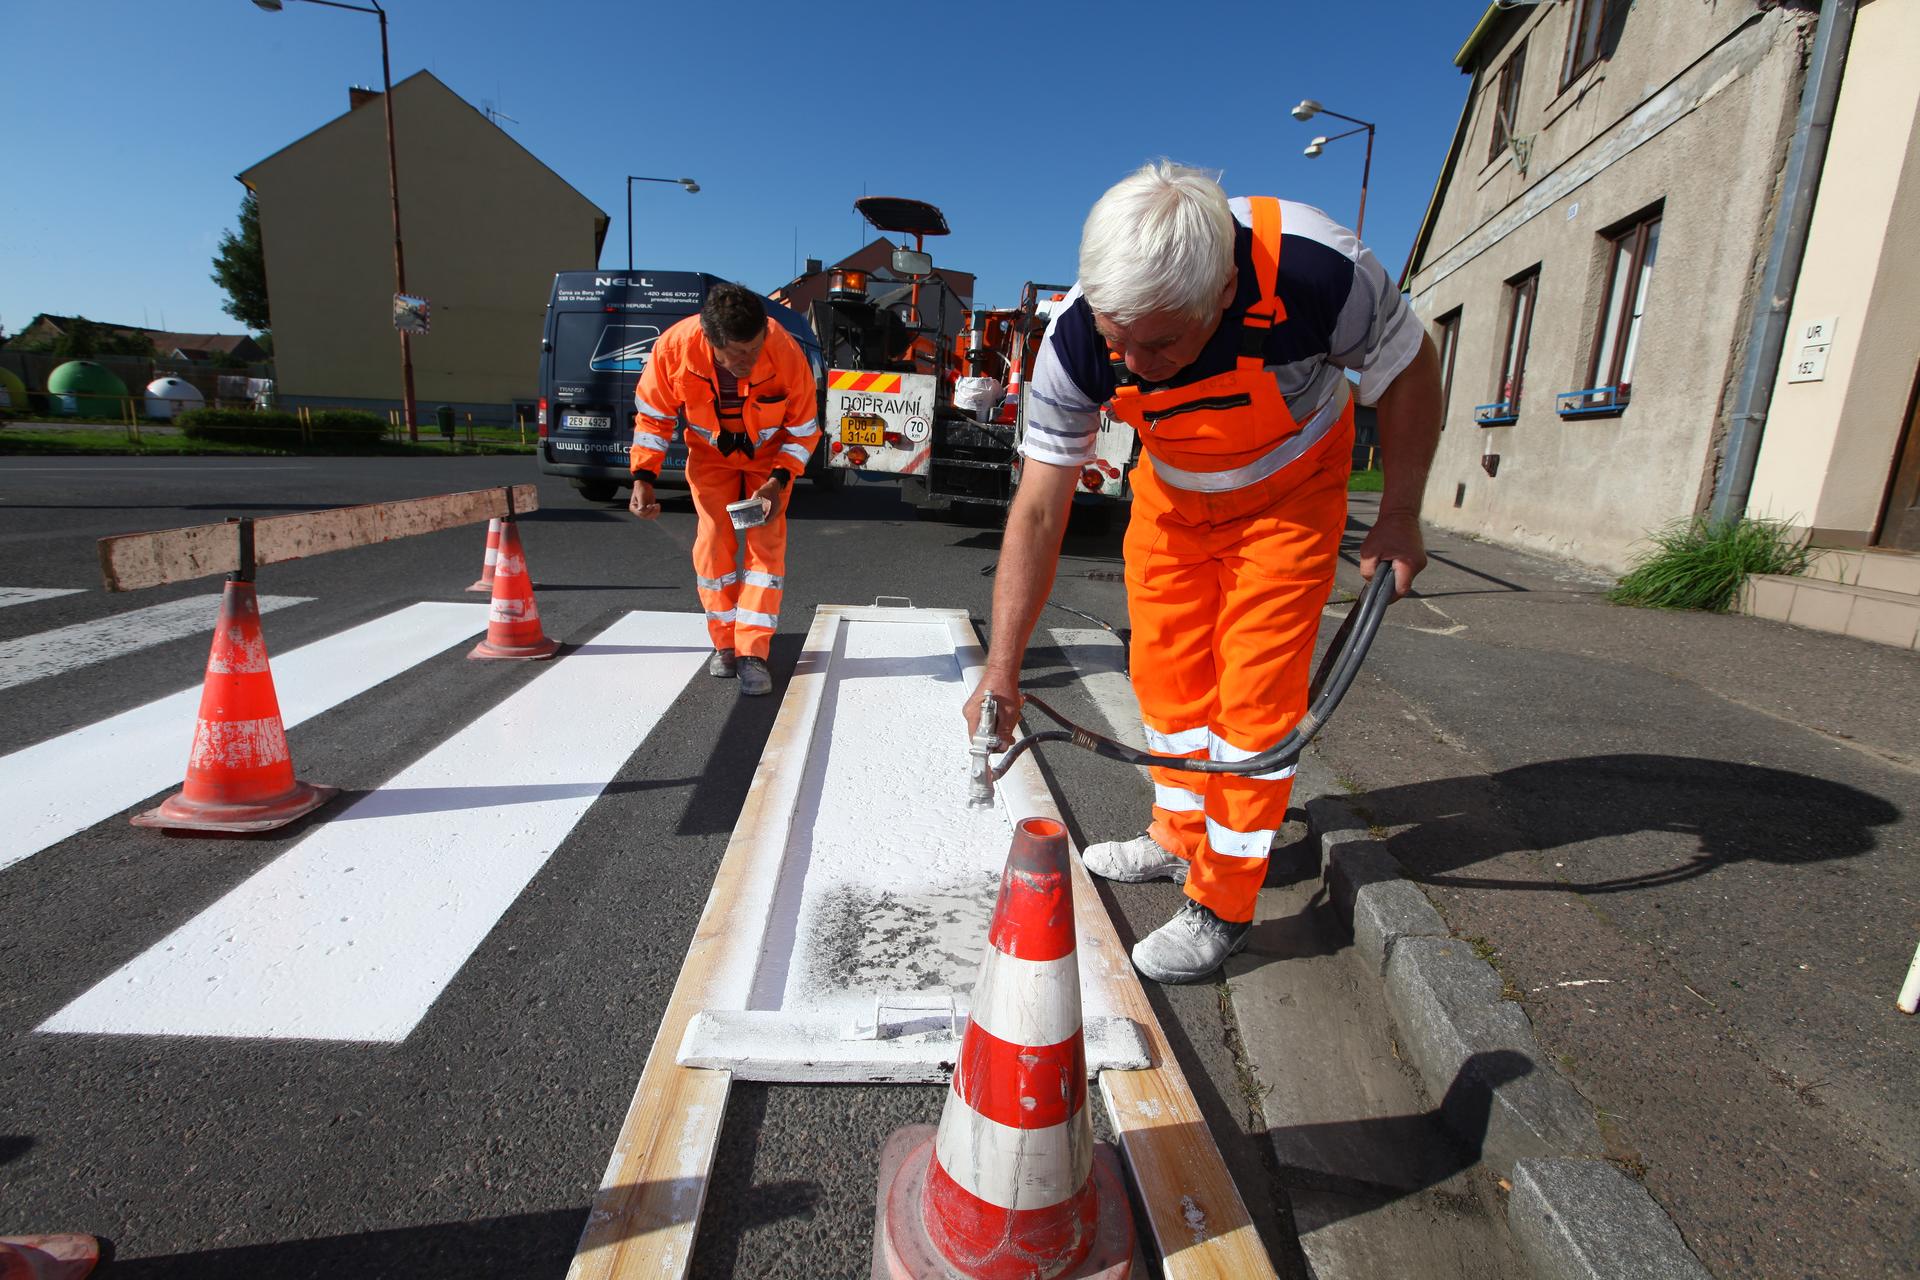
(1230, 553)
(778, 431)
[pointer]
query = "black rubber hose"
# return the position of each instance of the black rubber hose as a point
(1338, 667)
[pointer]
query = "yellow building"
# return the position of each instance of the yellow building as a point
(485, 226)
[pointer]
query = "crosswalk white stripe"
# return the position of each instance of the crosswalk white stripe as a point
(25, 595)
(68, 783)
(49, 653)
(354, 932)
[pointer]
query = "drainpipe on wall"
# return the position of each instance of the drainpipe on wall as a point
(1767, 330)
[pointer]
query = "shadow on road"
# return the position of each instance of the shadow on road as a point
(1737, 812)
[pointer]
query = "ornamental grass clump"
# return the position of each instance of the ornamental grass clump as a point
(1700, 563)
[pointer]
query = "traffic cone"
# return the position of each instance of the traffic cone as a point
(492, 557)
(1011, 1186)
(513, 623)
(59, 1257)
(239, 775)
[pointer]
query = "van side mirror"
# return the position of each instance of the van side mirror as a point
(906, 262)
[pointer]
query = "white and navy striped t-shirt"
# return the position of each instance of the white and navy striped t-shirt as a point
(1343, 312)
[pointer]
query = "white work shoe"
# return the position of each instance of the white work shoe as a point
(1134, 861)
(1190, 946)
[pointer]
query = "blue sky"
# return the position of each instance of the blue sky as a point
(129, 119)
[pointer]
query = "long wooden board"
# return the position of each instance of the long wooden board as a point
(646, 1213)
(130, 561)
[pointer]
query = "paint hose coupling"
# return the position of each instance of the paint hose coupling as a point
(979, 751)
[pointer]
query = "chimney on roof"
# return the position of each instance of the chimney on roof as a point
(813, 266)
(359, 93)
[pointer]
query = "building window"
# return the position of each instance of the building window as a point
(1521, 291)
(1590, 21)
(1618, 337)
(1447, 340)
(1506, 101)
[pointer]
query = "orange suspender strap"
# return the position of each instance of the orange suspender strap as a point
(1269, 310)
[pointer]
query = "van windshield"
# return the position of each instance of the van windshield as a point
(590, 346)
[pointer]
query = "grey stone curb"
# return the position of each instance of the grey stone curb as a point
(1571, 1214)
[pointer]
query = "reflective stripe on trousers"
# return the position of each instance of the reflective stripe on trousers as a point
(1225, 594)
(742, 605)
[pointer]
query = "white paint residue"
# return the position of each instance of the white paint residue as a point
(1196, 1218)
(1148, 1107)
(890, 878)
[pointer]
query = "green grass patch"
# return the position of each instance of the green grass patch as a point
(1700, 563)
(1366, 482)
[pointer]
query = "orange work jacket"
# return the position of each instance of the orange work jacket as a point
(778, 410)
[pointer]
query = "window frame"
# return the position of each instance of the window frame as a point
(1632, 238)
(1513, 367)
(1590, 20)
(1448, 327)
(1506, 113)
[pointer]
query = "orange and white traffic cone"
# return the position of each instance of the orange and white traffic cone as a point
(1011, 1185)
(239, 774)
(57, 1257)
(513, 623)
(492, 557)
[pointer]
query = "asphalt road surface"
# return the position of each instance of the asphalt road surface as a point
(470, 1143)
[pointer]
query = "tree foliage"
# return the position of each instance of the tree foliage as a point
(83, 339)
(240, 268)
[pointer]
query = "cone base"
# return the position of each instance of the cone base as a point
(178, 813)
(58, 1257)
(902, 1251)
(485, 584)
(532, 652)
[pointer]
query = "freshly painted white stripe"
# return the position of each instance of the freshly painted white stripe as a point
(1029, 1002)
(1014, 1168)
(354, 932)
(1218, 748)
(84, 643)
(1177, 743)
(755, 578)
(67, 784)
(23, 595)
(750, 618)
(1238, 844)
(1178, 799)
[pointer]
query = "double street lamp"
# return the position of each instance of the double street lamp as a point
(691, 186)
(393, 192)
(1307, 110)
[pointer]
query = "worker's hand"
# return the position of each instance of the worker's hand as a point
(769, 494)
(1394, 537)
(642, 503)
(1007, 698)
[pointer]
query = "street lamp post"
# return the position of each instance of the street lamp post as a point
(1307, 110)
(691, 186)
(393, 193)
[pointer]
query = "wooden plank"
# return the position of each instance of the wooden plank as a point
(647, 1211)
(130, 561)
(1199, 1224)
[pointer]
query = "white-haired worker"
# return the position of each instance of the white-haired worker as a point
(1222, 332)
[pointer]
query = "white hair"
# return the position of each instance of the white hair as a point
(1159, 241)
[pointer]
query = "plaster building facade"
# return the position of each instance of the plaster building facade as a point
(1592, 259)
(485, 227)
